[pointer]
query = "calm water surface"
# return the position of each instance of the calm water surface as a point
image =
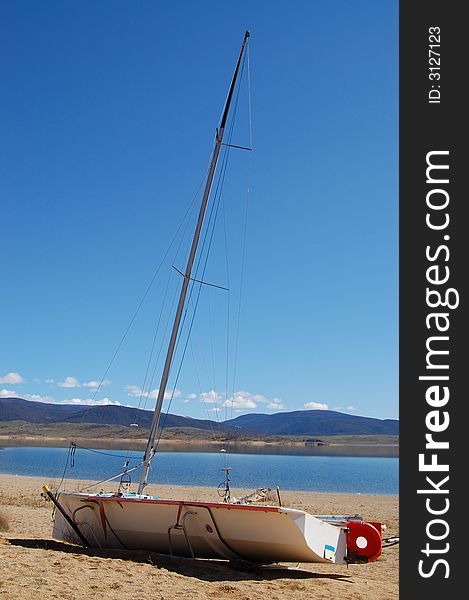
(344, 474)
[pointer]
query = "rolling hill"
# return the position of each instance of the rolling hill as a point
(302, 422)
(314, 422)
(18, 409)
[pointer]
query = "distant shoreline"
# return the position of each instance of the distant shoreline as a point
(335, 446)
(194, 442)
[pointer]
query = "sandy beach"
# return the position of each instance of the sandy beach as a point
(33, 563)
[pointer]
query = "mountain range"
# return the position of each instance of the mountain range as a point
(299, 422)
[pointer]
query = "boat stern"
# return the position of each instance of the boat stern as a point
(364, 541)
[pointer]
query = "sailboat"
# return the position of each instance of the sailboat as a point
(228, 529)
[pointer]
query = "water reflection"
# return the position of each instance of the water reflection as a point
(253, 448)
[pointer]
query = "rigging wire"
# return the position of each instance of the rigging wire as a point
(140, 304)
(215, 206)
(243, 258)
(249, 96)
(227, 367)
(73, 447)
(179, 337)
(191, 208)
(143, 388)
(190, 294)
(210, 227)
(160, 350)
(100, 452)
(214, 385)
(145, 393)
(228, 321)
(210, 376)
(202, 395)
(134, 316)
(188, 334)
(238, 319)
(218, 198)
(227, 404)
(204, 362)
(65, 467)
(216, 203)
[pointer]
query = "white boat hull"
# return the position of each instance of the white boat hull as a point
(253, 533)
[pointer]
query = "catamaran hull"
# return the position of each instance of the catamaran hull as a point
(262, 534)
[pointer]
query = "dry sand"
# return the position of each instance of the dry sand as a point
(32, 563)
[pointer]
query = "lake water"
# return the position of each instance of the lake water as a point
(314, 472)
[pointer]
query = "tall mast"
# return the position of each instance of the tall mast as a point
(149, 451)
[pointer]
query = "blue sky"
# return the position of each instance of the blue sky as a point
(108, 115)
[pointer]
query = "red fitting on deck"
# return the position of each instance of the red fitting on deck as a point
(364, 542)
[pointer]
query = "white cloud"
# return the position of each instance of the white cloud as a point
(38, 398)
(350, 408)
(214, 409)
(96, 384)
(12, 378)
(167, 395)
(35, 397)
(8, 393)
(49, 400)
(171, 393)
(134, 390)
(69, 382)
(89, 401)
(253, 397)
(241, 401)
(50, 380)
(192, 396)
(316, 406)
(211, 397)
(275, 404)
